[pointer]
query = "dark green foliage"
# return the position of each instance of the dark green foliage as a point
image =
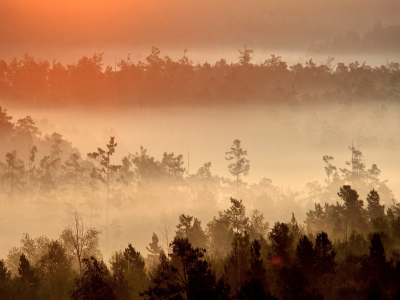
(94, 284)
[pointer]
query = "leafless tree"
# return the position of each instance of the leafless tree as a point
(76, 235)
(166, 235)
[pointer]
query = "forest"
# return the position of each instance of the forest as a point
(348, 246)
(160, 81)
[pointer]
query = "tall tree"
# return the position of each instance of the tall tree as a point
(83, 241)
(107, 169)
(240, 164)
(27, 130)
(15, 170)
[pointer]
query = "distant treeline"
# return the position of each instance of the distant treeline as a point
(380, 39)
(161, 80)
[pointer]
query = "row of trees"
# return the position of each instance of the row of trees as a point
(236, 257)
(160, 80)
(64, 181)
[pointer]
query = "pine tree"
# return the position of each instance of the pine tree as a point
(154, 248)
(240, 165)
(375, 209)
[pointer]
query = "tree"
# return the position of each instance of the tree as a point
(246, 55)
(154, 248)
(258, 228)
(236, 215)
(305, 254)
(352, 205)
(15, 170)
(129, 273)
(220, 234)
(94, 284)
(80, 239)
(240, 165)
(28, 275)
(193, 232)
(184, 226)
(6, 127)
(329, 169)
(186, 276)
(281, 244)
(73, 171)
(324, 254)
(26, 129)
(375, 209)
(107, 169)
(238, 261)
(255, 286)
(55, 270)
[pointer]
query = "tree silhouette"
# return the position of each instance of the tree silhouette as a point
(246, 55)
(15, 170)
(94, 284)
(240, 165)
(107, 169)
(375, 209)
(186, 276)
(154, 248)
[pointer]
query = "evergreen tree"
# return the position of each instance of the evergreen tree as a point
(305, 254)
(154, 248)
(324, 254)
(103, 157)
(281, 244)
(375, 209)
(94, 284)
(240, 165)
(186, 276)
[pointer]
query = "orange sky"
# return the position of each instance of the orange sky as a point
(32, 25)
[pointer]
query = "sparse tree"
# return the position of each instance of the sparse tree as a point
(107, 169)
(80, 238)
(240, 165)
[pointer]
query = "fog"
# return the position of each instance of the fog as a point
(284, 144)
(233, 136)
